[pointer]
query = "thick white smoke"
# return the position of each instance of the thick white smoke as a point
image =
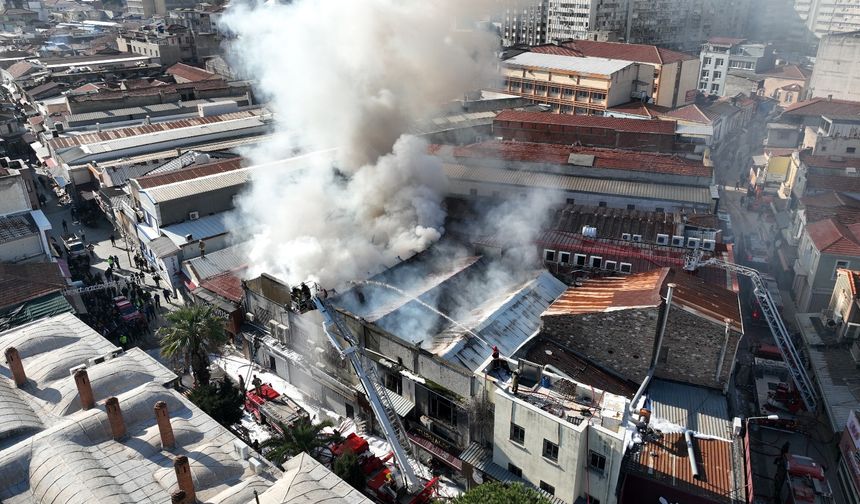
(350, 75)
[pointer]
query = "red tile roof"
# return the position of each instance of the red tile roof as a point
(590, 121)
(641, 53)
(554, 49)
(20, 69)
(789, 72)
(828, 162)
(823, 106)
(725, 40)
(132, 131)
(834, 238)
(190, 73)
(637, 107)
(227, 285)
(216, 167)
(20, 283)
(167, 89)
(608, 159)
(691, 113)
(779, 151)
(833, 183)
(705, 299)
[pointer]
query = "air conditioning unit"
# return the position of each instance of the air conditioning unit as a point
(662, 239)
(273, 327)
(637, 238)
(255, 465)
(426, 421)
(709, 244)
(677, 241)
(693, 243)
(625, 236)
(249, 317)
(75, 369)
(193, 215)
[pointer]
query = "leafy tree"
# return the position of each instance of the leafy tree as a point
(194, 332)
(222, 401)
(303, 436)
(501, 493)
(346, 466)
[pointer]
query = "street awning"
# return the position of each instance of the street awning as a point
(402, 406)
(434, 449)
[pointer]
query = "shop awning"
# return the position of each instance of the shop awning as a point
(402, 406)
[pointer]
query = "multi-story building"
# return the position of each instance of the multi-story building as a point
(576, 85)
(168, 46)
(684, 24)
(825, 247)
(524, 23)
(720, 54)
(836, 73)
(675, 73)
(823, 17)
(581, 19)
(141, 8)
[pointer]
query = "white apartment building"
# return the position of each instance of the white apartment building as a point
(823, 17)
(585, 19)
(721, 54)
(836, 74)
(564, 437)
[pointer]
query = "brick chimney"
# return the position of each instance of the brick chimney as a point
(177, 497)
(85, 389)
(117, 424)
(16, 366)
(183, 478)
(164, 428)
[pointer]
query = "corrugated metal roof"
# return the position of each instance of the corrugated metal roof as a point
(506, 322)
(200, 185)
(482, 459)
(227, 259)
(162, 247)
(644, 190)
(200, 229)
(597, 295)
(46, 306)
(587, 65)
(14, 227)
(699, 409)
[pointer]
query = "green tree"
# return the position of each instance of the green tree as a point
(346, 466)
(222, 401)
(500, 493)
(194, 332)
(303, 436)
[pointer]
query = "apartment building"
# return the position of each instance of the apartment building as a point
(575, 85)
(675, 73)
(585, 19)
(544, 434)
(825, 247)
(824, 17)
(168, 46)
(721, 54)
(524, 23)
(836, 74)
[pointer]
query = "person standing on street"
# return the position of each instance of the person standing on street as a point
(157, 300)
(65, 227)
(112, 240)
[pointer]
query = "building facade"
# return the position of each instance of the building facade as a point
(836, 74)
(824, 17)
(574, 85)
(524, 23)
(720, 54)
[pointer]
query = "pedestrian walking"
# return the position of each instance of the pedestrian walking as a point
(83, 236)
(112, 240)
(110, 262)
(156, 279)
(65, 227)
(157, 299)
(167, 294)
(123, 341)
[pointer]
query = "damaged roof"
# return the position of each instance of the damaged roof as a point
(607, 294)
(506, 321)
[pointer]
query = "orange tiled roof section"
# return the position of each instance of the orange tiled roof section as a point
(185, 174)
(832, 237)
(609, 159)
(190, 73)
(590, 121)
(823, 106)
(647, 290)
(789, 72)
(642, 53)
(611, 293)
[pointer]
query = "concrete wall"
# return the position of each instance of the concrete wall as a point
(177, 210)
(568, 474)
(28, 248)
(598, 137)
(837, 68)
(14, 196)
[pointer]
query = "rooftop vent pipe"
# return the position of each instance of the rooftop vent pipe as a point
(117, 424)
(13, 359)
(691, 454)
(162, 417)
(183, 478)
(85, 389)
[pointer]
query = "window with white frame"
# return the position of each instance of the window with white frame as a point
(610, 265)
(595, 261)
(564, 257)
(839, 265)
(549, 255)
(579, 259)
(625, 267)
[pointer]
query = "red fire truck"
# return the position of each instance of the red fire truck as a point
(272, 408)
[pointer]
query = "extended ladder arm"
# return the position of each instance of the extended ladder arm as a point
(783, 339)
(377, 394)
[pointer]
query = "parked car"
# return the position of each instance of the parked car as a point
(127, 310)
(74, 246)
(756, 252)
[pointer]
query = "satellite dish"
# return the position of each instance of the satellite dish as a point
(478, 477)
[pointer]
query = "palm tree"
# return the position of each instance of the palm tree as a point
(302, 436)
(194, 332)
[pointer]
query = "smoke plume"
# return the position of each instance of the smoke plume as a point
(350, 76)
